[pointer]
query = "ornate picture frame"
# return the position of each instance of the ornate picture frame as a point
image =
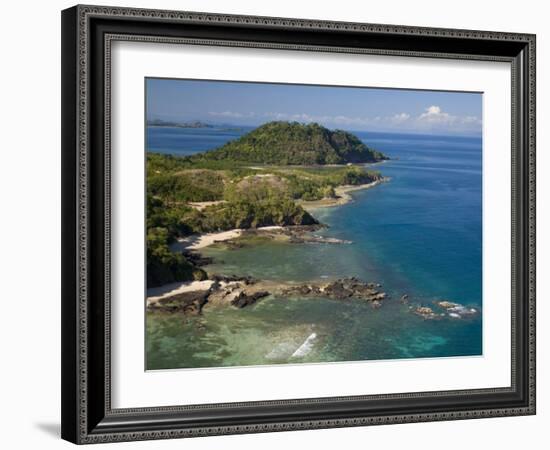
(88, 33)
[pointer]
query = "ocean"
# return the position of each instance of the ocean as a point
(418, 234)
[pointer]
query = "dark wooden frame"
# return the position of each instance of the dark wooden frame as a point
(87, 32)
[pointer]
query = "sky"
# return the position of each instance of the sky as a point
(347, 108)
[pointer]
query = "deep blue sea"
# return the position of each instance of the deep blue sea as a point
(186, 141)
(418, 234)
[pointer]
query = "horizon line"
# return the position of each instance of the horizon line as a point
(233, 125)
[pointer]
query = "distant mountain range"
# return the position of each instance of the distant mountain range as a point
(191, 124)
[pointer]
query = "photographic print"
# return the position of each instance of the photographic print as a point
(291, 224)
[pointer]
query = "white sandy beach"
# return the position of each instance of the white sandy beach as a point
(154, 295)
(198, 241)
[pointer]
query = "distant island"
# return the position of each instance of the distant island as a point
(293, 143)
(271, 177)
(165, 123)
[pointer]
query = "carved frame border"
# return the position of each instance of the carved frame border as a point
(77, 428)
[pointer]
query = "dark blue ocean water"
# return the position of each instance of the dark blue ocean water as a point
(426, 222)
(419, 234)
(186, 141)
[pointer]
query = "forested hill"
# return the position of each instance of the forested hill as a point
(293, 143)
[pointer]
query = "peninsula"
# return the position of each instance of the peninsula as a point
(269, 178)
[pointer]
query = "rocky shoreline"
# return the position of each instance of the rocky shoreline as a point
(340, 289)
(190, 298)
(237, 238)
(241, 292)
(297, 234)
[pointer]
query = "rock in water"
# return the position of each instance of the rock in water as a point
(445, 304)
(425, 312)
(244, 299)
(190, 303)
(341, 289)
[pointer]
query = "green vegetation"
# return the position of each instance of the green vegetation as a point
(178, 180)
(158, 164)
(318, 183)
(165, 266)
(293, 143)
(187, 186)
(164, 225)
(249, 214)
(243, 196)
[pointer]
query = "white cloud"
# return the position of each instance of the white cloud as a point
(400, 118)
(231, 114)
(471, 119)
(434, 114)
(432, 119)
(433, 110)
(276, 116)
(339, 120)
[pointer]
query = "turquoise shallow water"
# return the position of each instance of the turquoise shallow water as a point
(419, 234)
